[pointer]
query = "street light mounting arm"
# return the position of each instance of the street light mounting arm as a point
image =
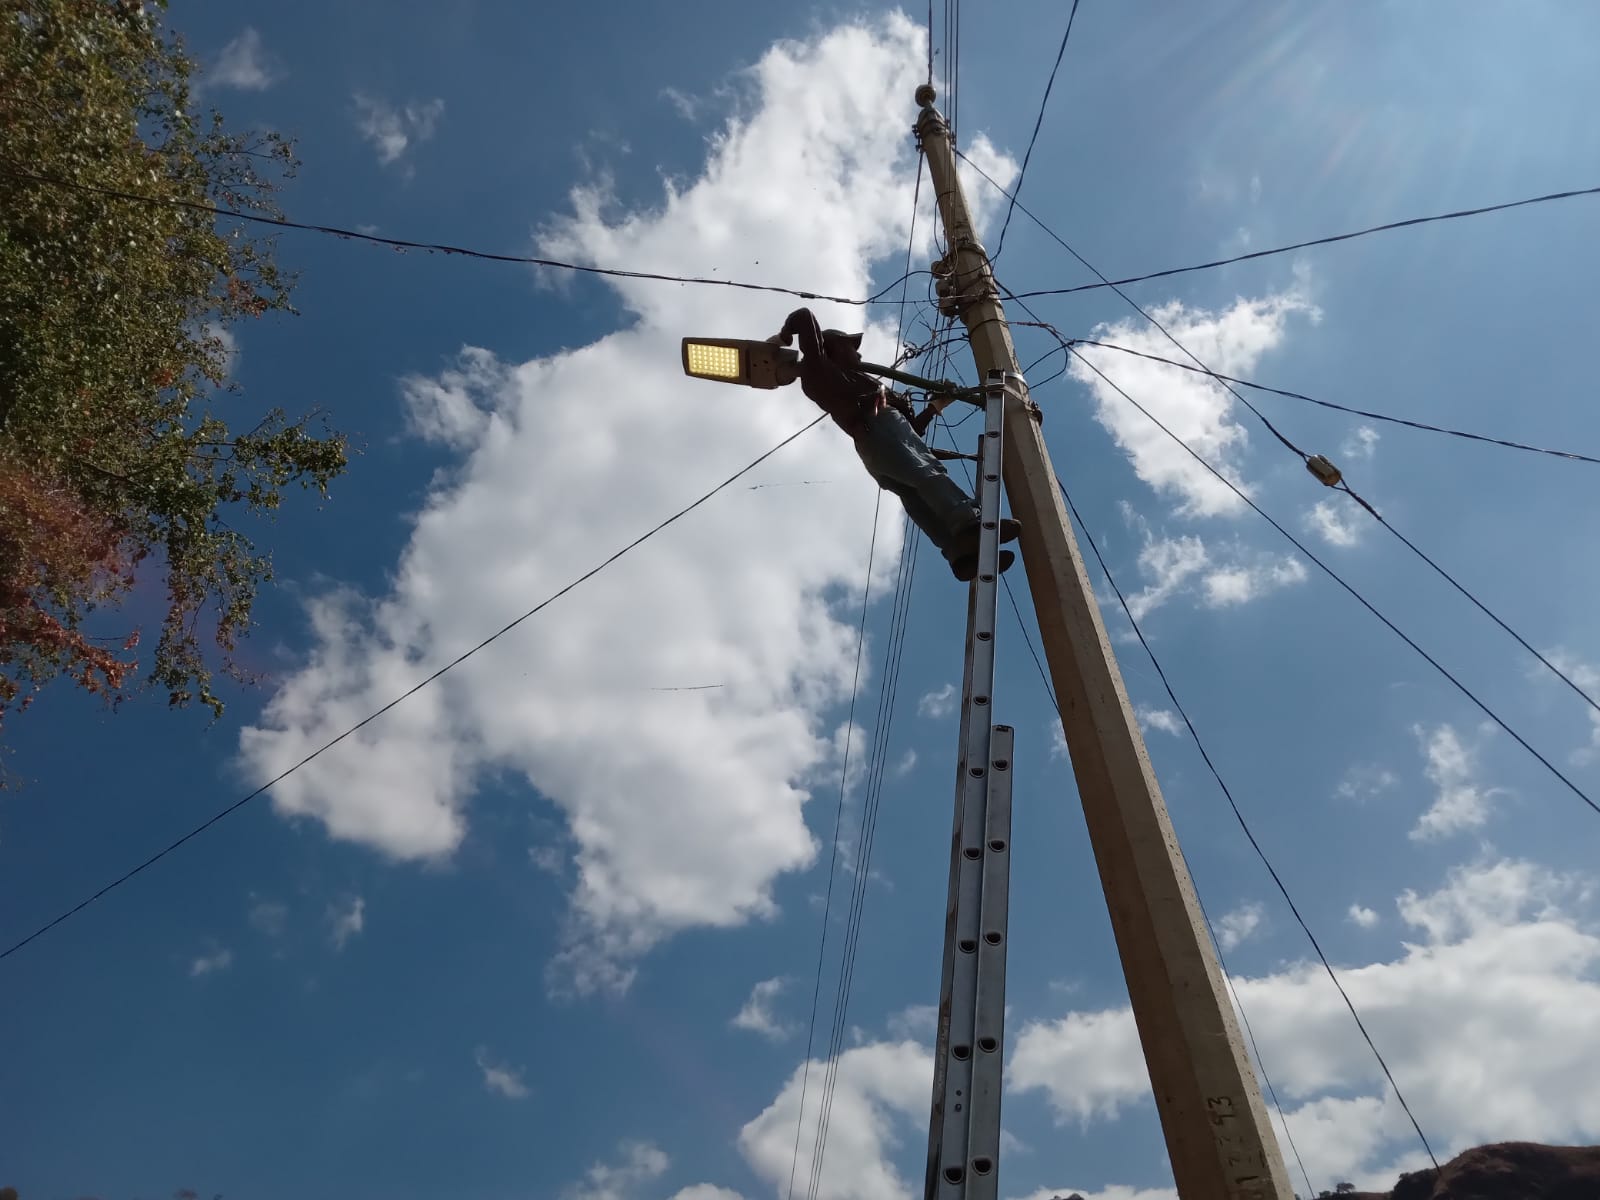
(937, 387)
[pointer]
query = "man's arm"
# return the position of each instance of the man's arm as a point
(802, 323)
(923, 419)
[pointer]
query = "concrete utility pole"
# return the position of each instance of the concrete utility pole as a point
(1217, 1132)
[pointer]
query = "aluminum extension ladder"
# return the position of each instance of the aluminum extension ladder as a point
(964, 1129)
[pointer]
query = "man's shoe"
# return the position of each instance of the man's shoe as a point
(967, 539)
(965, 568)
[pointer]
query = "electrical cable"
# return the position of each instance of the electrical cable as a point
(887, 695)
(1478, 604)
(875, 298)
(955, 70)
(1321, 241)
(413, 690)
(1357, 412)
(911, 243)
(1245, 826)
(441, 248)
(1339, 579)
(1344, 486)
(838, 821)
(1049, 690)
(1249, 1032)
(1038, 121)
(1134, 304)
(1306, 458)
(869, 812)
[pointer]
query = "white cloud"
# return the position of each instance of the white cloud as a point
(918, 1022)
(1489, 1023)
(269, 916)
(500, 1078)
(639, 1163)
(1161, 719)
(218, 958)
(1363, 443)
(1171, 564)
(880, 1101)
(446, 409)
(1058, 740)
(1332, 526)
(346, 920)
(878, 1118)
(692, 108)
(705, 1191)
(1360, 915)
(243, 63)
(1366, 781)
(1239, 584)
(1483, 897)
(1234, 928)
(1587, 677)
(1460, 802)
(1088, 1064)
(940, 702)
(757, 1015)
(907, 764)
(1192, 406)
(549, 859)
(690, 820)
(393, 130)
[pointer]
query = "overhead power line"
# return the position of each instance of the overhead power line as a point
(1049, 692)
(838, 824)
(911, 244)
(887, 689)
(442, 248)
(888, 692)
(1254, 844)
(1038, 121)
(406, 695)
(1340, 580)
(1357, 412)
(1313, 462)
(878, 297)
(1254, 254)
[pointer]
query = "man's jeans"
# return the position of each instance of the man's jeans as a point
(900, 461)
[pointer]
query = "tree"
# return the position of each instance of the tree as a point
(122, 460)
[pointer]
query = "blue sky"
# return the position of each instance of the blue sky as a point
(498, 947)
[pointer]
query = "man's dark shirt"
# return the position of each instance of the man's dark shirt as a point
(848, 395)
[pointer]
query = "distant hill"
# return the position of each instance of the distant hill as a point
(1504, 1171)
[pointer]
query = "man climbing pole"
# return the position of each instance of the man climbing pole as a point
(888, 439)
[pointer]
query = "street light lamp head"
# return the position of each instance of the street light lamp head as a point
(740, 360)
